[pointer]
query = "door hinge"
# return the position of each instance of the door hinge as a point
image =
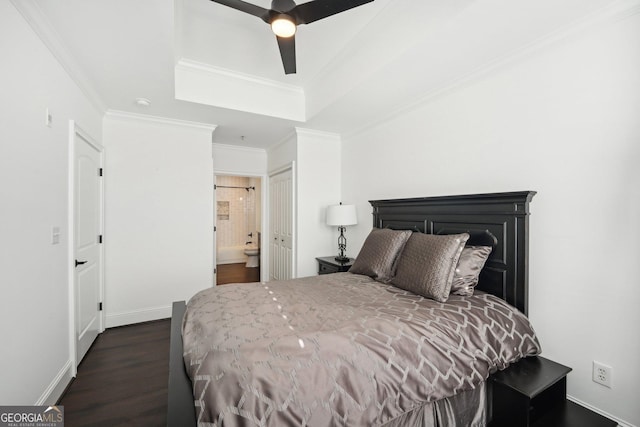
(100, 238)
(215, 271)
(100, 172)
(215, 228)
(99, 306)
(215, 187)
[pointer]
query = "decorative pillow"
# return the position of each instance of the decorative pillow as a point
(427, 264)
(379, 252)
(471, 261)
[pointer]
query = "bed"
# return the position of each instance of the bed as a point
(355, 349)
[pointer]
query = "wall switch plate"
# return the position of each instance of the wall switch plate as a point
(602, 374)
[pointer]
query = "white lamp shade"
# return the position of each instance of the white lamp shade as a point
(342, 215)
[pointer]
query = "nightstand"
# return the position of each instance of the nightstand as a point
(328, 264)
(532, 392)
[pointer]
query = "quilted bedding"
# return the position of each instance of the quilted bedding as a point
(340, 349)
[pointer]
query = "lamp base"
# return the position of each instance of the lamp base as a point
(342, 259)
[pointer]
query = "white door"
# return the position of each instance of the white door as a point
(281, 225)
(87, 241)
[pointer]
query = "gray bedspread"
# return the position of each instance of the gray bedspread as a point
(340, 349)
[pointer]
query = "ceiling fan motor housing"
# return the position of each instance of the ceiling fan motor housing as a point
(282, 5)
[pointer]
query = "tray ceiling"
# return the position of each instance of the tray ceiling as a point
(354, 68)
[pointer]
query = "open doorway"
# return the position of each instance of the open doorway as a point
(238, 229)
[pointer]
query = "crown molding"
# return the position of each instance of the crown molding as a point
(316, 133)
(36, 19)
(208, 85)
(612, 13)
(126, 116)
(239, 148)
(236, 75)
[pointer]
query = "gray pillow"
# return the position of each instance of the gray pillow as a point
(466, 274)
(427, 264)
(379, 252)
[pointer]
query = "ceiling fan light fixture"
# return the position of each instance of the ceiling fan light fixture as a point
(283, 26)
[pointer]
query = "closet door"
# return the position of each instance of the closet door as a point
(281, 225)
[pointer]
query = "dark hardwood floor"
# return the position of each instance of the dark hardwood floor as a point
(236, 273)
(122, 380)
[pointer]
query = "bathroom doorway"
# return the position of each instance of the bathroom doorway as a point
(238, 228)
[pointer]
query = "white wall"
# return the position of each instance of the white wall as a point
(158, 217)
(318, 186)
(34, 322)
(563, 122)
(239, 160)
(282, 154)
(241, 220)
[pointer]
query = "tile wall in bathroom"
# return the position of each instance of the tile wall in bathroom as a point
(233, 229)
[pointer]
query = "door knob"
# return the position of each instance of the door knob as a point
(80, 262)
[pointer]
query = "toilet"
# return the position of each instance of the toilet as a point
(253, 255)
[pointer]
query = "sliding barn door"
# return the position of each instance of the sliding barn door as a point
(281, 225)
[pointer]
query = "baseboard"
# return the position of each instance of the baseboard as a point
(242, 260)
(54, 391)
(137, 316)
(620, 422)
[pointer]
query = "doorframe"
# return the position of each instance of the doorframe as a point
(264, 201)
(76, 130)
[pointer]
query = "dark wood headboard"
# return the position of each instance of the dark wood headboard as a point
(504, 217)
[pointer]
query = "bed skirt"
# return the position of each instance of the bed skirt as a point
(468, 408)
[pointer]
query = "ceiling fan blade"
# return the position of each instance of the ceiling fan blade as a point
(287, 47)
(249, 8)
(306, 13)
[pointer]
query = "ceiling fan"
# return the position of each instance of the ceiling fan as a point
(284, 16)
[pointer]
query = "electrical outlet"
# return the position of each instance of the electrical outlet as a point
(602, 374)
